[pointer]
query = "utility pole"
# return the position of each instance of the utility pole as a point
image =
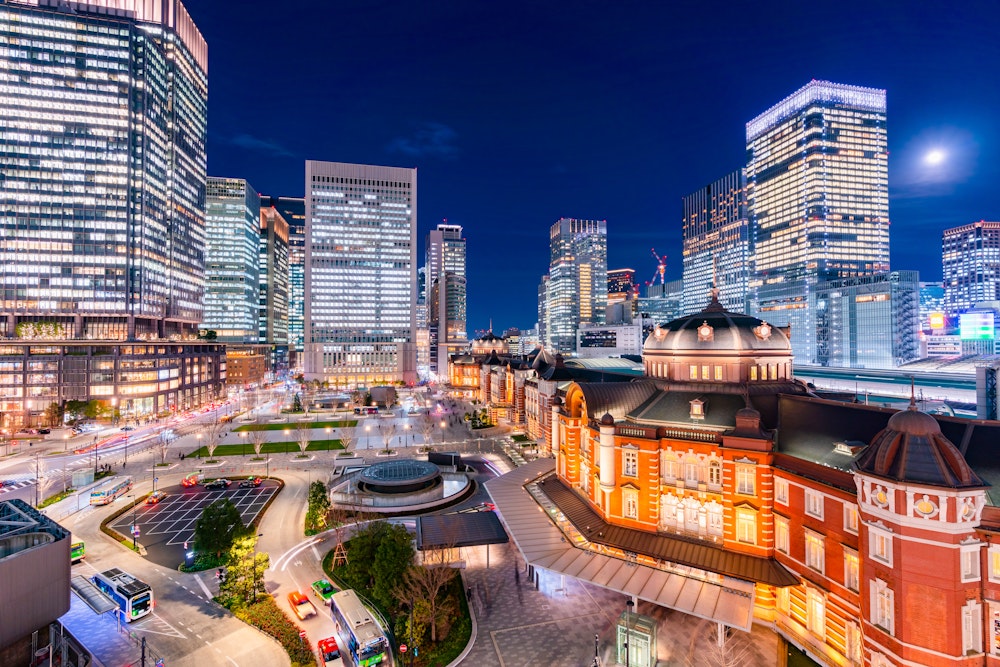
(38, 479)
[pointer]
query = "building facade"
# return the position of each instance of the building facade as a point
(576, 292)
(273, 321)
(360, 278)
(818, 199)
(844, 531)
(102, 242)
(609, 340)
(621, 285)
(293, 211)
(932, 317)
(868, 322)
(445, 286)
(716, 243)
(970, 265)
(232, 260)
(664, 302)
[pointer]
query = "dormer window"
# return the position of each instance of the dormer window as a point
(697, 409)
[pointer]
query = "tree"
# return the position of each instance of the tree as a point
(427, 424)
(217, 527)
(215, 432)
(54, 414)
(424, 583)
(318, 508)
(244, 581)
(76, 410)
(303, 431)
(387, 431)
(347, 437)
(258, 436)
(163, 442)
(378, 557)
(297, 403)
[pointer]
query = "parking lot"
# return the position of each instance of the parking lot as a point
(166, 526)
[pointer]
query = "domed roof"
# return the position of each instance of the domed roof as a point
(714, 328)
(607, 420)
(911, 448)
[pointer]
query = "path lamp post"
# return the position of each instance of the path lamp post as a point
(628, 629)
(443, 424)
(134, 527)
(198, 438)
(288, 434)
(368, 429)
(243, 442)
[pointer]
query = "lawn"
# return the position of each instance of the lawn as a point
(281, 426)
(269, 448)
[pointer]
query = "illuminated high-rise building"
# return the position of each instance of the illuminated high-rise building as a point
(577, 291)
(818, 199)
(970, 265)
(717, 244)
(360, 273)
(446, 294)
(621, 285)
(103, 120)
(273, 326)
(232, 260)
(293, 210)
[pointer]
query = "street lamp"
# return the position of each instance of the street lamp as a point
(288, 434)
(65, 442)
(198, 438)
(134, 545)
(243, 442)
(628, 629)
(368, 429)
(442, 431)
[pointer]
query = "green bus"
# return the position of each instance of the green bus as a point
(76, 552)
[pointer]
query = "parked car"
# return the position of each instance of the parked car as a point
(324, 589)
(251, 482)
(194, 479)
(44, 431)
(221, 483)
(155, 497)
(301, 605)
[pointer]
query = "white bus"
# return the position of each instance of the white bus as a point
(366, 643)
(133, 597)
(109, 490)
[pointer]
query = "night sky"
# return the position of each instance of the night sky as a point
(518, 113)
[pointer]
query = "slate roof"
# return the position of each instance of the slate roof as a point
(463, 529)
(676, 549)
(675, 407)
(617, 398)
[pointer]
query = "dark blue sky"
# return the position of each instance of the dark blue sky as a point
(518, 113)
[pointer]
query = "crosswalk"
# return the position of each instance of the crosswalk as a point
(11, 484)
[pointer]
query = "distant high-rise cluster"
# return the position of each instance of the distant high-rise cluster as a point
(445, 290)
(970, 262)
(576, 292)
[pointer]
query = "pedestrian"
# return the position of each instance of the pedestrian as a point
(468, 593)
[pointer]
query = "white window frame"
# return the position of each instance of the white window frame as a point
(715, 519)
(630, 463)
(670, 464)
(746, 479)
(715, 473)
(970, 563)
(851, 518)
(852, 570)
(816, 613)
(630, 503)
(814, 504)
(781, 490)
(691, 465)
(993, 561)
(883, 609)
(746, 525)
(782, 540)
(972, 627)
(880, 545)
(854, 643)
(815, 545)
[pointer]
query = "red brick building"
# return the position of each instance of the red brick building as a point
(863, 535)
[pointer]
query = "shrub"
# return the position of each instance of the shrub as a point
(269, 619)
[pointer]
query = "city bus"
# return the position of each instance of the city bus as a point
(76, 552)
(109, 490)
(366, 643)
(133, 597)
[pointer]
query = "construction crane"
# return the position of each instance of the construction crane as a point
(661, 267)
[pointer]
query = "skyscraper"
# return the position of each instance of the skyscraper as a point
(970, 264)
(621, 285)
(717, 244)
(446, 294)
(360, 273)
(818, 198)
(577, 290)
(102, 208)
(273, 325)
(232, 260)
(293, 210)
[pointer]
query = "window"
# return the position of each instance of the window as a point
(746, 525)
(746, 477)
(715, 473)
(753, 373)
(851, 518)
(630, 467)
(970, 563)
(814, 504)
(880, 545)
(718, 373)
(854, 645)
(669, 468)
(972, 627)
(781, 540)
(691, 472)
(882, 605)
(714, 510)
(815, 556)
(993, 557)
(694, 373)
(851, 570)
(704, 372)
(781, 490)
(631, 501)
(816, 617)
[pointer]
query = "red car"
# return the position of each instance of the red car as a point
(193, 479)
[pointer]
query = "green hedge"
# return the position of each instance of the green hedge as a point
(269, 619)
(270, 448)
(280, 426)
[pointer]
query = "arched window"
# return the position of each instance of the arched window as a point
(715, 473)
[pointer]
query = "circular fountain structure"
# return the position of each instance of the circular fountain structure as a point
(402, 485)
(399, 477)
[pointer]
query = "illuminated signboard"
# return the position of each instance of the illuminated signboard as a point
(936, 320)
(976, 326)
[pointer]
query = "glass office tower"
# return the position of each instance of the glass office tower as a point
(232, 261)
(293, 210)
(818, 198)
(360, 273)
(446, 294)
(970, 263)
(716, 246)
(577, 291)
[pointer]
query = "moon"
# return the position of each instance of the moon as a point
(934, 157)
